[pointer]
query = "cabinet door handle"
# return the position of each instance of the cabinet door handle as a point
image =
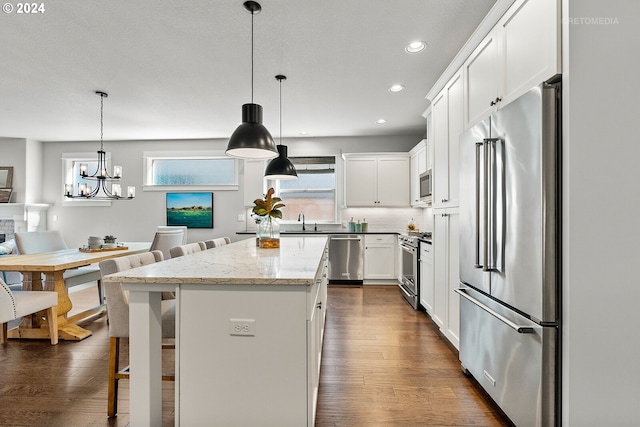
(319, 305)
(445, 200)
(495, 102)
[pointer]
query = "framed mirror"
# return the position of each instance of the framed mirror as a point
(6, 176)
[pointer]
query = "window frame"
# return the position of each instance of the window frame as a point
(68, 160)
(336, 205)
(148, 157)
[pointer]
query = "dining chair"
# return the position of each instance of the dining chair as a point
(184, 228)
(17, 304)
(32, 242)
(118, 310)
(189, 248)
(11, 278)
(167, 238)
(215, 243)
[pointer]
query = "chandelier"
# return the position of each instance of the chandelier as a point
(101, 176)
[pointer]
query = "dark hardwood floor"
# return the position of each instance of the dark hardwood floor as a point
(383, 365)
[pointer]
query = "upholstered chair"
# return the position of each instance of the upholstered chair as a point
(33, 242)
(166, 239)
(215, 243)
(16, 304)
(189, 248)
(118, 310)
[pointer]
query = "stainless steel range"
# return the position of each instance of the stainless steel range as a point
(409, 262)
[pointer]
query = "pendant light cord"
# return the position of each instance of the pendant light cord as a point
(252, 13)
(280, 111)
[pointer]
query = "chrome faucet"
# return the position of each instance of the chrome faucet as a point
(301, 215)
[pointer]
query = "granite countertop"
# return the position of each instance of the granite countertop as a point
(320, 232)
(294, 263)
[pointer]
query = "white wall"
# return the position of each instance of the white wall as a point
(601, 382)
(34, 177)
(136, 220)
(13, 153)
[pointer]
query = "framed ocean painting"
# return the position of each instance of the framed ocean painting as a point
(194, 210)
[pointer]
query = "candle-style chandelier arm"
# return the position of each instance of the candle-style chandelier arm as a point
(102, 171)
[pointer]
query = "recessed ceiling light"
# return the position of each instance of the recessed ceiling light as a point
(304, 132)
(381, 121)
(396, 88)
(415, 47)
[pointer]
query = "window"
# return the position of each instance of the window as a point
(71, 175)
(313, 193)
(211, 170)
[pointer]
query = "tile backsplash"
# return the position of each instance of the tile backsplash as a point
(7, 228)
(390, 219)
(379, 219)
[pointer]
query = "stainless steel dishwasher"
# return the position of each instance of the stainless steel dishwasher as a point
(346, 258)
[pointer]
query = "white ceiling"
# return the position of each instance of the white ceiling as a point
(182, 69)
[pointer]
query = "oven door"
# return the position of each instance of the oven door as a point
(409, 273)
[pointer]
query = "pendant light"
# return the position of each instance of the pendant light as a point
(281, 167)
(101, 176)
(251, 140)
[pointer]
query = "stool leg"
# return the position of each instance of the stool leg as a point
(114, 367)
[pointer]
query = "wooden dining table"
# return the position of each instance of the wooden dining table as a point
(53, 265)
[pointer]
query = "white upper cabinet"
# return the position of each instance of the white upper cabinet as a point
(447, 119)
(481, 72)
(530, 46)
(418, 165)
(376, 180)
(361, 177)
(521, 51)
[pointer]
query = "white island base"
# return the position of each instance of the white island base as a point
(249, 325)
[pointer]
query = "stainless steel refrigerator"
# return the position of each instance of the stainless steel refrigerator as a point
(510, 182)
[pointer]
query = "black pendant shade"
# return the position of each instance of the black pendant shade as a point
(251, 139)
(281, 167)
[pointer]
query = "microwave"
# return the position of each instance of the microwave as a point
(426, 186)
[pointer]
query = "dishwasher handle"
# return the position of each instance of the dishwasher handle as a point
(345, 238)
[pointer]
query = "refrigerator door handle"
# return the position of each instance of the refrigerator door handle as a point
(497, 204)
(485, 197)
(477, 233)
(492, 198)
(518, 328)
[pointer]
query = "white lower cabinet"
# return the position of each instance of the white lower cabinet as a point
(269, 378)
(380, 253)
(446, 304)
(426, 277)
(315, 336)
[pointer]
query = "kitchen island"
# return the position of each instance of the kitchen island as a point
(249, 325)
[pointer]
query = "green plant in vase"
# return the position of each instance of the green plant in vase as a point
(269, 213)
